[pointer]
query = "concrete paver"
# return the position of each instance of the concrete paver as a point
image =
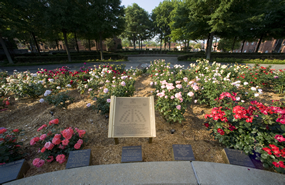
(209, 173)
(180, 173)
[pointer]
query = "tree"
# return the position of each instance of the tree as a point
(108, 17)
(161, 16)
(226, 45)
(63, 16)
(198, 46)
(88, 43)
(137, 24)
(110, 43)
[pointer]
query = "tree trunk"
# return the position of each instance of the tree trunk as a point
(97, 45)
(56, 42)
(89, 46)
(188, 45)
(242, 46)
(234, 44)
(66, 45)
(208, 55)
(35, 40)
(160, 44)
(77, 48)
(134, 41)
(31, 45)
(6, 50)
(207, 43)
(101, 47)
(258, 45)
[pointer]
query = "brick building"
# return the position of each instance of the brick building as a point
(267, 46)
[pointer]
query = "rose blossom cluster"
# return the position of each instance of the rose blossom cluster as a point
(227, 94)
(217, 114)
(277, 152)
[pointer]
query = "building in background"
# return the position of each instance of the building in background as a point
(268, 46)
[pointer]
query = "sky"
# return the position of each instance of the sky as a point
(148, 5)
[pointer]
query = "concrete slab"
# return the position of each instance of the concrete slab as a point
(224, 174)
(173, 172)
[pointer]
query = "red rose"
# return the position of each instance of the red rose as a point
(7, 103)
(16, 130)
(3, 130)
(206, 124)
(220, 131)
(55, 121)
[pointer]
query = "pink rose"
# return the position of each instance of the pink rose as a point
(65, 142)
(178, 107)
(37, 162)
(67, 134)
(49, 145)
(81, 133)
(77, 146)
(50, 159)
(60, 158)
(43, 137)
(56, 141)
(57, 136)
(80, 141)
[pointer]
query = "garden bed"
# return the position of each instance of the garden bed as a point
(29, 114)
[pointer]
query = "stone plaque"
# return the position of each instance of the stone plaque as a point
(78, 158)
(13, 170)
(237, 157)
(183, 153)
(131, 154)
(132, 117)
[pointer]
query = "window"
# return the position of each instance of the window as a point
(266, 51)
(244, 51)
(252, 43)
(247, 43)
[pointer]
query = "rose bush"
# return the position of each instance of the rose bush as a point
(247, 128)
(55, 145)
(10, 148)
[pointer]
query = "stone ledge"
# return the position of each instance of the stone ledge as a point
(209, 173)
(131, 173)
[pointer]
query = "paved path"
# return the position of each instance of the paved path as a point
(154, 173)
(139, 61)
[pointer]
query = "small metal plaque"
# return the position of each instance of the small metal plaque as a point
(78, 158)
(183, 153)
(131, 154)
(237, 157)
(13, 170)
(132, 117)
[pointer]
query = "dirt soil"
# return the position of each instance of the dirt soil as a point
(29, 114)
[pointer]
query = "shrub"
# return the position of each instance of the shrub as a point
(56, 145)
(10, 149)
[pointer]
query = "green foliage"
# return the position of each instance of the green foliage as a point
(10, 149)
(59, 100)
(138, 24)
(226, 45)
